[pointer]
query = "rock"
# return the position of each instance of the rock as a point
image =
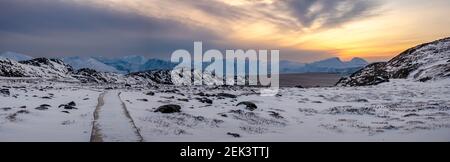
(46, 97)
(275, 115)
(204, 94)
(200, 94)
(299, 86)
(68, 107)
(235, 135)
(362, 100)
(227, 95)
(67, 112)
(236, 111)
(23, 112)
(5, 92)
(199, 118)
(170, 91)
(352, 110)
(372, 74)
(45, 105)
(72, 104)
(12, 117)
(249, 105)
(205, 100)
(183, 99)
(41, 108)
(23, 107)
(6, 108)
(172, 108)
(144, 100)
(410, 115)
(150, 93)
(425, 79)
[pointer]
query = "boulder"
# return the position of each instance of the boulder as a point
(171, 108)
(249, 105)
(205, 100)
(235, 135)
(5, 92)
(227, 95)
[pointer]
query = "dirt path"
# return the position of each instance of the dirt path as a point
(112, 122)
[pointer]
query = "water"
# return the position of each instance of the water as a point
(309, 80)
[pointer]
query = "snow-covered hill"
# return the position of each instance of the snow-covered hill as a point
(429, 61)
(80, 63)
(55, 69)
(15, 56)
(39, 67)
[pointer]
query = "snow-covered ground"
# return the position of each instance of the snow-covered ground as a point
(32, 112)
(400, 110)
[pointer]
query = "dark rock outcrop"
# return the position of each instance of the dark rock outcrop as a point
(168, 109)
(5, 92)
(249, 105)
(227, 95)
(373, 74)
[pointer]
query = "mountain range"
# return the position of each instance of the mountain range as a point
(136, 63)
(331, 65)
(425, 62)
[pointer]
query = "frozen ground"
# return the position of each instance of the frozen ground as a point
(399, 110)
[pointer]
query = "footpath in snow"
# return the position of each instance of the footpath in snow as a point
(112, 123)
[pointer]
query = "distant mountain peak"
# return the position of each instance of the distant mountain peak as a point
(15, 56)
(78, 62)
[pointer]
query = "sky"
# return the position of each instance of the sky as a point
(303, 30)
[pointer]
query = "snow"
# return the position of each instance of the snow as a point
(399, 110)
(15, 56)
(91, 63)
(113, 123)
(306, 115)
(46, 125)
(430, 59)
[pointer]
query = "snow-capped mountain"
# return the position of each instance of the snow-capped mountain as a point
(357, 62)
(126, 64)
(331, 65)
(38, 67)
(80, 63)
(157, 64)
(123, 65)
(291, 67)
(15, 56)
(336, 63)
(57, 70)
(429, 61)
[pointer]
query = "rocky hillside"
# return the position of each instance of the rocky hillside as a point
(429, 61)
(55, 69)
(39, 67)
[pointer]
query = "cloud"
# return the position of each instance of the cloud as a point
(156, 28)
(328, 13)
(45, 27)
